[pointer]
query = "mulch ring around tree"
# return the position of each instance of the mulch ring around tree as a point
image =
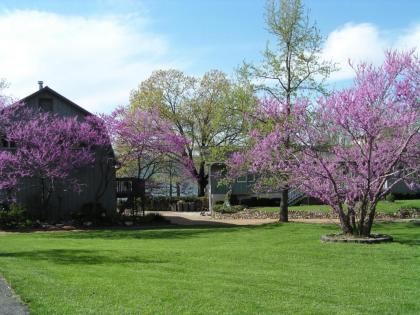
(342, 238)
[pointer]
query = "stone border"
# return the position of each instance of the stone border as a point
(339, 238)
(301, 214)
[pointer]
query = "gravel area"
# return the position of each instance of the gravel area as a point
(195, 218)
(10, 303)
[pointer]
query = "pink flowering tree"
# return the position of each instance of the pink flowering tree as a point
(270, 121)
(351, 149)
(142, 137)
(47, 149)
(99, 138)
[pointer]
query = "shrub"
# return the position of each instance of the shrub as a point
(13, 216)
(261, 202)
(409, 212)
(93, 212)
(232, 209)
(152, 218)
(164, 203)
(390, 197)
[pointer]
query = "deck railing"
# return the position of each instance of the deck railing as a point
(129, 187)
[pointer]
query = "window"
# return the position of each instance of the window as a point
(241, 179)
(251, 178)
(45, 104)
(4, 143)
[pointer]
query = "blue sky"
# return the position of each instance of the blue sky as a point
(95, 52)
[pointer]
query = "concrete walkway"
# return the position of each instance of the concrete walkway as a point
(10, 303)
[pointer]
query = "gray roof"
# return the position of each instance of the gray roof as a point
(58, 95)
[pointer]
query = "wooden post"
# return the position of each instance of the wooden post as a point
(210, 194)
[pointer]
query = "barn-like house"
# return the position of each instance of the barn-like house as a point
(98, 181)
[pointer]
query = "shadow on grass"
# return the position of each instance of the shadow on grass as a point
(155, 233)
(82, 257)
(403, 233)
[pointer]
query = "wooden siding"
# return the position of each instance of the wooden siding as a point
(65, 201)
(238, 188)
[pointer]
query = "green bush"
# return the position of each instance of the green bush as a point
(232, 209)
(390, 197)
(164, 203)
(13, 216)
(95, 213)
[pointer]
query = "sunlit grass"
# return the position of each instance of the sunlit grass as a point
(273, 269)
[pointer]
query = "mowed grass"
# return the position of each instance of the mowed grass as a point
(383, 207)
(272, 269)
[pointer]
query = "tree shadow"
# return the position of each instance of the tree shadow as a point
(403, 233)
(183, 221)
(82, 257)
(175, 232)
(155, 233)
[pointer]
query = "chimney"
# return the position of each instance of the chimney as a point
(41, 84)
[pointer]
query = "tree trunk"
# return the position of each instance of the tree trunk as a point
(202, 180)
(202, 183)
(345, 224)
(284, 211)
(178, 190)
(44, 199)
(371, 217)
(170, 186)
(170, 179)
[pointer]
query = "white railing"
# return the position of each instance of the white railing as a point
(295, 196)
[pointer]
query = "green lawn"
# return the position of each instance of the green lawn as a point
(272, 269)
(383, 206)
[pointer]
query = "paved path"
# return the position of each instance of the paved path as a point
(10, 304)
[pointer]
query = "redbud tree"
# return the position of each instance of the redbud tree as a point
(349, 145)
(142, 137)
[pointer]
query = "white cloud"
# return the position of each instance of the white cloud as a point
(94, 61)
(364, 42)
(410, 38)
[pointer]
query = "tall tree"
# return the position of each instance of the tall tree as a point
(293, 67)
(207, 112)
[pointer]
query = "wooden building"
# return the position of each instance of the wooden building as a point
(98, 181)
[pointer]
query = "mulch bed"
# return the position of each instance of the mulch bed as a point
(341, 238)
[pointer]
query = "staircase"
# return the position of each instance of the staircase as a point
(295, 196)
